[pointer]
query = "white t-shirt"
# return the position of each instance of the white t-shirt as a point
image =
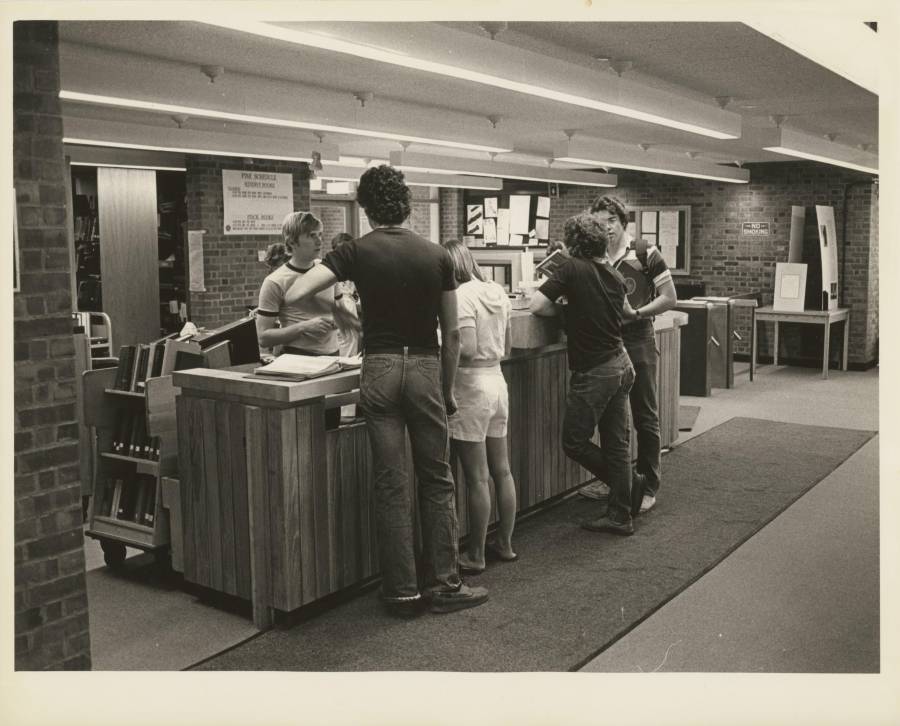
(320, 305)
(485, 307)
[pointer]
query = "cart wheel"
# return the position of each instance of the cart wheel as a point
(113, 552)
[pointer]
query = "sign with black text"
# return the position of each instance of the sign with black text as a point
(256, 202)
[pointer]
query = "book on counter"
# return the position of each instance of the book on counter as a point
(293, 367)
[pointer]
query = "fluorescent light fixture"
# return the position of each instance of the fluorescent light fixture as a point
(430, 163)
(359, 161)
(127, 166)
(805, 146)
(381, 55)
(599, 153)
(416, 179)
(170, 108)
(210, 152)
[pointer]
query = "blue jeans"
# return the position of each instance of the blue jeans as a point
(598, 399)
(645, 411)
(402, 393)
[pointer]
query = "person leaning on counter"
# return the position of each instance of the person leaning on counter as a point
(407, 288)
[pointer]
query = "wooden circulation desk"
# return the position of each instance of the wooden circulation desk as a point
(278, 510)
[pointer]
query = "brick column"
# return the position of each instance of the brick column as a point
(51, 616)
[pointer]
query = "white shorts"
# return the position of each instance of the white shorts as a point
(483, 403)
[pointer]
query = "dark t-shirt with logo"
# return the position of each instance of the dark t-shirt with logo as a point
(641, 289)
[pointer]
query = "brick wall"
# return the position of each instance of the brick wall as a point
(233, 273)
(451, 201)
(729, 263)
(420, 212)
(51, 616)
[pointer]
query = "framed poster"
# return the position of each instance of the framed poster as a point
(790, 287)
(256, 202)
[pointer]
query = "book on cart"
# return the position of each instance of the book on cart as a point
(293, 367)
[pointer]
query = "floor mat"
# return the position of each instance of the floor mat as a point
(573, 592)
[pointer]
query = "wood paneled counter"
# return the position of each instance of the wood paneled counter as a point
(278, 510)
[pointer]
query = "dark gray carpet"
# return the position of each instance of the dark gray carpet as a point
(143, 621)
(573, 592)
(687, 417)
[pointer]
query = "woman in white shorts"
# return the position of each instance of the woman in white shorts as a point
(478, 428)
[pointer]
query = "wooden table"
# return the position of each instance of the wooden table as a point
(814, 317)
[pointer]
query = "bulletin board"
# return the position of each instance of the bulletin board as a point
(669, 228)
(507, 218)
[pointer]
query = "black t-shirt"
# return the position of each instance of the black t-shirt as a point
(593, 320)
(400, 278)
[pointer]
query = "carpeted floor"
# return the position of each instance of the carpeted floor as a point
(687, 417)
(719, 489)
(141, 620)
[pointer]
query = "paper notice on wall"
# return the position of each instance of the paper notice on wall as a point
(502, 227)
(542, 228)
(543, 207)
(669, 253)
(474, 219)
(519, 208)
(527, 266)
(490, 231)
(648, 222)
(668, 236)
(668, 226)
(256, 202)
(516, 240)
(630, 229)
(195, 260)
(490, 207)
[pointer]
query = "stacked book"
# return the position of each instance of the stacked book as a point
(131, 500)
(130, 437)
(139, 362)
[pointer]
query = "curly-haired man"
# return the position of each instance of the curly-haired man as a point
(653, 293)
(602, 373)
(407, 287)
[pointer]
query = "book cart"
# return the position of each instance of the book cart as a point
(134, 449)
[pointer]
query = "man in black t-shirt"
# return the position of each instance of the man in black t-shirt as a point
(602, 373)
(406, 287)
(651, 292)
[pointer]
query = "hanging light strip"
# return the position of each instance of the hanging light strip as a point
(171, 108)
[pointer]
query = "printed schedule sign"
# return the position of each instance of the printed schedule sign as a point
(256, 202)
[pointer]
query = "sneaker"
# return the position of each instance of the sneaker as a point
(647, 503)
(605, 524)
(405, 608)
(465, 597)
(597, 490)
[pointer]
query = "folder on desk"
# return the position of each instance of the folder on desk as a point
(293, 367)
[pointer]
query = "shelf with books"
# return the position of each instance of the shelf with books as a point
(133, 448)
